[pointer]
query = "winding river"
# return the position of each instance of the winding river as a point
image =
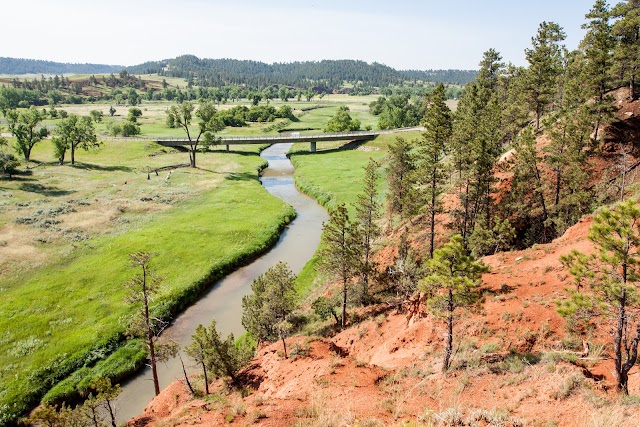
(223, 302)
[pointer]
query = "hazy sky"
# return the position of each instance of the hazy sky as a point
(404, 34)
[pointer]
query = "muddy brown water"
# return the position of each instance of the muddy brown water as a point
(223, 302)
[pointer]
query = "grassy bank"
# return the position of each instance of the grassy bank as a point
(65, 263)
(334, 175)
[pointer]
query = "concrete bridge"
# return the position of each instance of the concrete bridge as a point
(312, 139)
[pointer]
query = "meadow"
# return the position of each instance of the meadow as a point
(66, 233)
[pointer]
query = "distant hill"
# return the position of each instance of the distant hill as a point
(328, 74)
(331, 73)
(37, 66)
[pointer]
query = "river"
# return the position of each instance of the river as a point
(223, 302)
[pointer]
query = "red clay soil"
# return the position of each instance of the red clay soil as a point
(513, 362)
(386, 369)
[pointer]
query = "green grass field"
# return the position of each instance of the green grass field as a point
(66, 232)
(64, 264)
(334, 175)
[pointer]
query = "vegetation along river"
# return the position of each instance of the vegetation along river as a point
(223, 302)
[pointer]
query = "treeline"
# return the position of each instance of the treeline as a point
(458, 77)
(551, 115)
(37, 66)
(326, 75)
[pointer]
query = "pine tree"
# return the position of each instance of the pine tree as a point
(567, 155)
(272, 301)
(476, 145)
(612, 276)
(545, 66)
(400, 167)
(367, 215)
(338, 253)
(598, 45)
(452, 282)
(627, 50)
(198, 350)
(143, 287)
(430, 160)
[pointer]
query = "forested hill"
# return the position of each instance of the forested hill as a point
(37, 66)
(331, 73)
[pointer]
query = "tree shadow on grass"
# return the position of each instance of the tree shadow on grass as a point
(45, 190)
(89, 166)
(241, 176)
(351, 145)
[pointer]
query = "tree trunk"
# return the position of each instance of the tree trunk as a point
(344, 302)
(206, 378)
(432, 213)
(284, 346)
(152, 350)
(621, 376)
(94, 416)
(335, 316)
(449, 339)
(186, 377)
(111, 414)
(73, 154)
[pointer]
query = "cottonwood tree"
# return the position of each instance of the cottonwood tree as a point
(367, 215)
(338, 253)
(431, 166)
(208, 124)
(400, 173)
(452, 282)
(267, 308)
(607, 283)
(25, 127)
(342, 122)
(72, 133)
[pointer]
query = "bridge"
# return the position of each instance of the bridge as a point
(295, 137)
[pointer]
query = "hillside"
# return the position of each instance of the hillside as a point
(332, 73)
(514, 362)
(36, 66)
(514, 366)
(225, 71)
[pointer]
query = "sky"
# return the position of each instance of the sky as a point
(404, 34)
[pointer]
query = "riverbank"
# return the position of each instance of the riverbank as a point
(64, 310)
(223, 301)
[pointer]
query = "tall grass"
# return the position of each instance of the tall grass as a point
(69, 314)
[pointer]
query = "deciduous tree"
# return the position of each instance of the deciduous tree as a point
(25, 127)
(208, 124)
(72, 133)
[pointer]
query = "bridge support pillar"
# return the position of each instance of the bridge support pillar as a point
(227, 147)
(312, 147)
